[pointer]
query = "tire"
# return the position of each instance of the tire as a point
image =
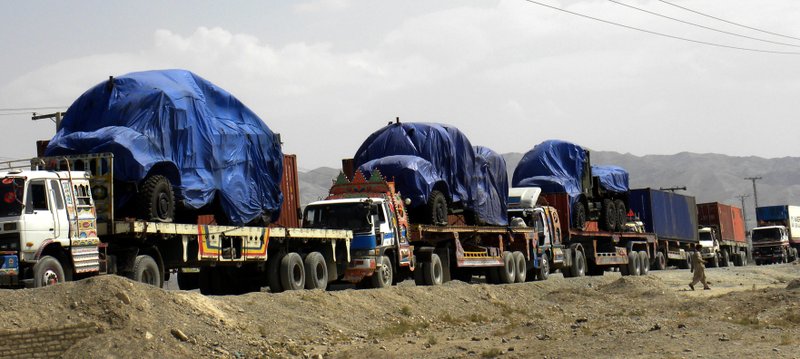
(686, 262)
(493, 275)
(543, 272)
(608, 215)
(437, 209)
(644, 260)
(188, 281)
(578, 268)
(316, 271)
(274, 272)
(508, 271)
(622, 214)
(204, 278)
(383, 277)
(633, 267)
(463, 274)
(579, 216)
(520, 266)
(48, 271)
(726, 259)
(156, 199)
(661, 261)
(743, 258)
(715, 261)
(145, 270)
(432, 271)
(292, 272)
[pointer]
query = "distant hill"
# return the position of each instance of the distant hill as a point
(709, 177)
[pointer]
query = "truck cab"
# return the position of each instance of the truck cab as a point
(523, 210)
(48, 227)
(771, 245)
(376, 215)
(709, 240)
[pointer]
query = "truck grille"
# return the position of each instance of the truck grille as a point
(9, 242)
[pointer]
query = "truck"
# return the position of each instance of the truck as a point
(388, 247)
(59, 224)
(578, 252)
(596, 193)
(777, 237)
(722, 234)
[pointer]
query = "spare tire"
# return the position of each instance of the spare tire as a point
(608, 215)
(437, 208)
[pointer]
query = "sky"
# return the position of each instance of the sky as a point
(510, 74)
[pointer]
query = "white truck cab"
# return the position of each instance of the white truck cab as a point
(710, 249)
(48, 227)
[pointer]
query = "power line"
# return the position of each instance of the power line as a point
(729, 22)
(31, 108)
(663, 34)
(16, 113)
(701, 26)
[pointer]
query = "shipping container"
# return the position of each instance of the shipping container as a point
(726, 219)
(788, 216)
(290, 208)
(669, 215)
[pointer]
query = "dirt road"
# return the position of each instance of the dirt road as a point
(750, 312)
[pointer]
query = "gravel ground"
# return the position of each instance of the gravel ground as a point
(750, 312)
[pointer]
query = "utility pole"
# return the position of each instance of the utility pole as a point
(55, 117)
(673, 189)
(741, 197)
(755, 194)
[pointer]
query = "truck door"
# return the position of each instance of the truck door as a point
(61, 224)
(37, 218)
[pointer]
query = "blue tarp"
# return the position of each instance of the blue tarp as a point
(492, 184)
(418, 155)
(612, 178)
(176, 118)
(555, 166)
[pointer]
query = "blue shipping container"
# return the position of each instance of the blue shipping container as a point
(772, 213)
(669, 215)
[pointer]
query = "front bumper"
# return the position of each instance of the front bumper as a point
(359, 268)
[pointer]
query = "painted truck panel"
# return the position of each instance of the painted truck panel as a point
(670, 215)
(788, 216)
(290, 208)
(727, 219)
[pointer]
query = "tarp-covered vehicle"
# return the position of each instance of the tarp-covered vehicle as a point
(176, 137)
(435, 167)
(594, 191)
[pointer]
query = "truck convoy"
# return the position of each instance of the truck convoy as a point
(174, 137)
(777, 237)
(722, 234)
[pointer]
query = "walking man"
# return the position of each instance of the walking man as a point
(699, 268)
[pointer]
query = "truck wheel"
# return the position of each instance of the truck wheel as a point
(382, 278)
(726, 259)
(274, 272)
(644, 260)
(622, 214)
(715, 261)
(578, 268)
(660, 262)
(156, 199)
(508, 270)
(47, 271)
(316, 271)
(632, 268)
(437, 208)
(493, 275)
(432, 271)
(188, 281)
(608, 215)
(205, 281)
(293, 275)
(579, 217)
(544, 268)
(145, 270)
(520, 266)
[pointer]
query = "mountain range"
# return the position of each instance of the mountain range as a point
(708, 177)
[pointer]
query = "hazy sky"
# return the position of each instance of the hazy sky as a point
(325, 74)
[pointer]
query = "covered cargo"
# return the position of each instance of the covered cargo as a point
(558, 167)
(784, 215)
(423, 157)
(726, 219)
(669, 215)
(202, 139)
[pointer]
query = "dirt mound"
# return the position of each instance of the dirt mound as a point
(794, 284)
(634, 284)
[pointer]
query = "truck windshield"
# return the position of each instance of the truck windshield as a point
(705, 236)
(12, 190)
(352, 216)
(767, 234)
